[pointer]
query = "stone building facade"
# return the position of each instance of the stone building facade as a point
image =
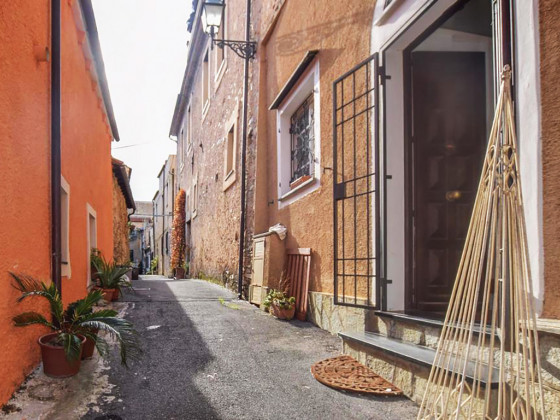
(142, 236)
(207, 126)
(352, 63)
(163, 215)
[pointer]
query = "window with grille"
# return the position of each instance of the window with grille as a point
(302, 141)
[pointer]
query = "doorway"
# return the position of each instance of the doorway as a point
(448, 111)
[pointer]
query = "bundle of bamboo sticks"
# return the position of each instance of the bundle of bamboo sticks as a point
(487, 361)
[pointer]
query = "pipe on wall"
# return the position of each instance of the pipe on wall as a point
(56, 234)
(243, 155)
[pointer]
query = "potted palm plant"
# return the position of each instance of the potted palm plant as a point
(62, 349)
(110, 277)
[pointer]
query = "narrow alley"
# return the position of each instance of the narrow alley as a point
(269, 209)
(210, 356)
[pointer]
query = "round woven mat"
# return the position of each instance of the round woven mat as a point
(346, 373)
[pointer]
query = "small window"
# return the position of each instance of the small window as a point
(302, 143)
(91, 235)
(205, 83)
(189, 129)
(65, 228)
(229, 151)
(182, 148)
(299, 140)
(221, 51)
(230, 156)
(166, 243)
(195, 198)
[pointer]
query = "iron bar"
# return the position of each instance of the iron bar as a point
(243, 153)
(351, 124)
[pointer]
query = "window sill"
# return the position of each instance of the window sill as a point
(229, 180)
(220, 75)
(298, 188)
(388, 11)
(205, 109)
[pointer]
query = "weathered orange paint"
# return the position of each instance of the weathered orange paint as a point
(25, 169)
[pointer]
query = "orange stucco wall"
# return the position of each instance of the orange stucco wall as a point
(25, 174)
(25, 169)
(86, 157)
(341, 34)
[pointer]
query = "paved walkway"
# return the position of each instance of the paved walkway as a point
(209, 356)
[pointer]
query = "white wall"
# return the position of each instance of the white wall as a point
(400, 25)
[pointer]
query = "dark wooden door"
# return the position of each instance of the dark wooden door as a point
(448, 140)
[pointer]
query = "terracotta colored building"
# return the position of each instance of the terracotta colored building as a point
(88, 127)
(123, 206)
(339, 152)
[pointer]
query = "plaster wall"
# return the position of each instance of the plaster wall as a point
(340, 33)
(25, 174)
(86, 155)
(25, 151)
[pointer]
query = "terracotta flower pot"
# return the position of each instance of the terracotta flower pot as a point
(108, 294)
(55, 363)
(180, 273)
(282, 313)
(116, 294)
(89, 346)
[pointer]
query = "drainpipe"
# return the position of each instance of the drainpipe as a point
(243, 153)
(163, 244)
(56, 234)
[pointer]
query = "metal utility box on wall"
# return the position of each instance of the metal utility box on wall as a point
(269, 255)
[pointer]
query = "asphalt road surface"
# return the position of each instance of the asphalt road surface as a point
(209, 356)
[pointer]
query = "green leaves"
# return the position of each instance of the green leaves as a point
(31, 318)
(29, 286)
(279, 299)
(79, 319)
(72, 344)
(109, 274)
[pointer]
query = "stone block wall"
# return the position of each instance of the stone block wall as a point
(121, 250)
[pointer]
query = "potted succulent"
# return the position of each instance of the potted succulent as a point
(280, 304)
(110, 277)
(63, 348)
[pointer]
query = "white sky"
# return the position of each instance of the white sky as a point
(144, 45)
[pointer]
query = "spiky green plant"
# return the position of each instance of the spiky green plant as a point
(110, 275)
(79, 319)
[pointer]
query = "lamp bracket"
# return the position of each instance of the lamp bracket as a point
(243, 49)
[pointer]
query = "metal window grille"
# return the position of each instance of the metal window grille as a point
(302, 140)
(356, 157)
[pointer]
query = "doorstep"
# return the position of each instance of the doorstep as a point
(417, 354)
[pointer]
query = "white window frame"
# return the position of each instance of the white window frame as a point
(205, 79)
(310, 84)
(231, 176)
(195, 197)
(221, 67)
(189, 127)
(182, 149)
(91, 239)
(66, 269)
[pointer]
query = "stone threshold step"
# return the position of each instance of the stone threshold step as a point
(430, 322)
(411, 352)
